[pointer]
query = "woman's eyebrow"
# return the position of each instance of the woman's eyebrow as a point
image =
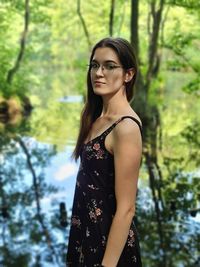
(106, 61)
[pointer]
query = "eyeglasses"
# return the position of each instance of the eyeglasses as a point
(106, 67)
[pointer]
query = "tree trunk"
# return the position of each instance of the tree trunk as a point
(147, 111)
(153, 47)
(134, 25)
(83, 24)
(111, 21)
(140, 93)
(15, 68)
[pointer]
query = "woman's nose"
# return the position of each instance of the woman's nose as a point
(99, 71)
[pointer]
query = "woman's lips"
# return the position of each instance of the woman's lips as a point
(98, 83)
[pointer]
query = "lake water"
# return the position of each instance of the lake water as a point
(37, 178)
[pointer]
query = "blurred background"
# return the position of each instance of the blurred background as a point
(44, 51)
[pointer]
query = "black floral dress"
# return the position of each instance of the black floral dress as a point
(94, 207)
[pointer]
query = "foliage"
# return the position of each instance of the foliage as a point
(52, 68)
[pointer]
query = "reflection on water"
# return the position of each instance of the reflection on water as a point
(13, 111)
(33, 209)
(36, 188)
(31, 233)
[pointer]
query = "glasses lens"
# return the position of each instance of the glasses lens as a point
(106, 68)
(93, 67)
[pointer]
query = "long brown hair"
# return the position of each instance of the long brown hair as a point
(94, 104)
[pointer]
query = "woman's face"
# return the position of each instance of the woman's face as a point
(107, 74)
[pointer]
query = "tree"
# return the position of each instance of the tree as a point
(149, 112)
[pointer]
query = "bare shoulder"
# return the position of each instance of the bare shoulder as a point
(135, 115)
(129, 125)
(127, 139)
(125, 134)
(127, 128)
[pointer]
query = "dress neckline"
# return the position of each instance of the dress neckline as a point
(98, 136)
(112, 126)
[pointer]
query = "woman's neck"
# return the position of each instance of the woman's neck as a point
(114, 105)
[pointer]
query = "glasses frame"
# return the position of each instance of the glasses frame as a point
(103, 67)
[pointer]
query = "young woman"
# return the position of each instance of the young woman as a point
(109, 144)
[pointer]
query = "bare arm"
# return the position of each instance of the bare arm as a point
(127, 150)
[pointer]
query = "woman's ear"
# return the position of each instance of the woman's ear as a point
(129, 75)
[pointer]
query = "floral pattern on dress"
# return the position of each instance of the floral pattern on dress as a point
(91, 186)
(103, 241)
(96, 173)
(94, 211)
(81, 255)
(134, 259)
(95, 151)
(75, 221)
(131, 238)
(87, 233)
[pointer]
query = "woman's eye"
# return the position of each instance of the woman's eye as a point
(94, 66)
(109, 66)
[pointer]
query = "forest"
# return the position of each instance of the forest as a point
(44, 52)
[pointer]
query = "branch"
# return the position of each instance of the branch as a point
(152, 179)
(149, 23)
(122, 15)
(37, 195)
(182, 56)
(13, 70)
(194, 5)
(83, 23)
(112, 9)
(3, 207)
(163, 24)
(153, 47)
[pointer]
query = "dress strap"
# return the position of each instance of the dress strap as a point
(120, 119)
